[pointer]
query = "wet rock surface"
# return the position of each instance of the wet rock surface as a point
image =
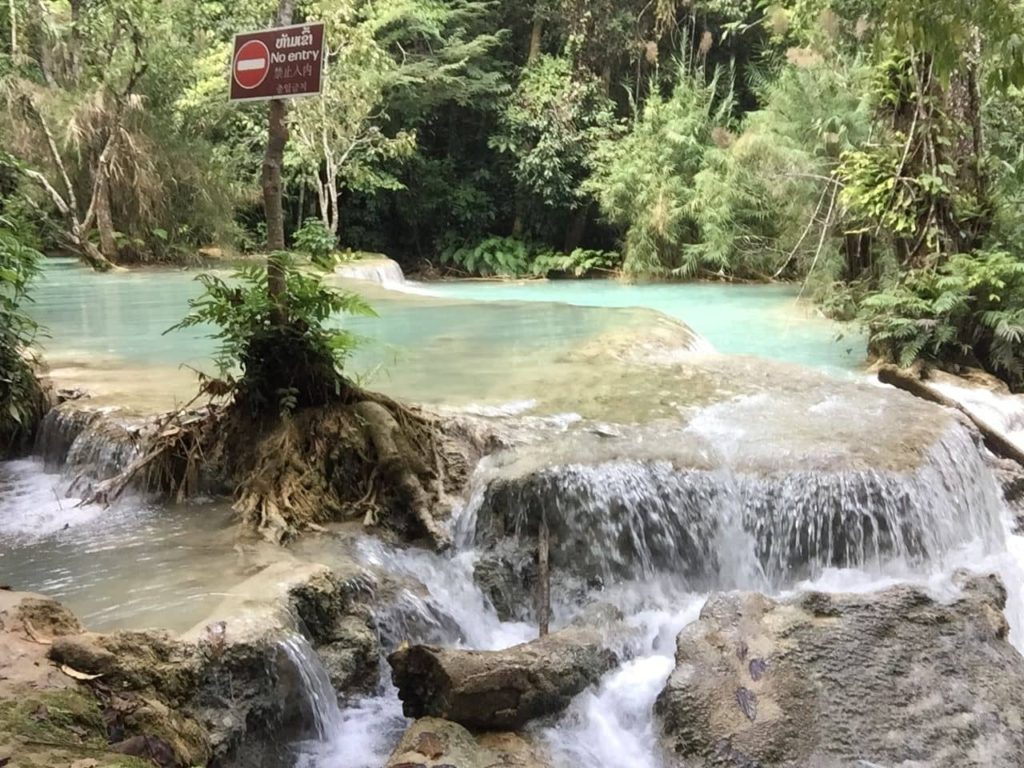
(224, 693)
(500, 690)
(47, 718)
(892, 678)
(435, 743)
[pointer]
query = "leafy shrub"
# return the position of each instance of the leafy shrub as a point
(21, 399)
(315, 240)
(644, 181)
(510, 257)
(493, 257)
(969, 310)
(579, 263)
(293, 362)
(760, 202)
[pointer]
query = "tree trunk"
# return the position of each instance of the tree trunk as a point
(277, 139)
(104, 219)
(995, 440)
(75, 43)
(500, 690)
(273, 208)
(536, 40)
(964, 108)
(577, 228)
(13, 13)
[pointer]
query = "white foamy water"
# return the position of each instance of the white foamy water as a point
(33, 504)
(612, 724)
(1003, 412)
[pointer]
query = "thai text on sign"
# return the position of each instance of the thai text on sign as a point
(278, 63)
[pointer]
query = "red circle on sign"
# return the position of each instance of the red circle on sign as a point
(252, 63)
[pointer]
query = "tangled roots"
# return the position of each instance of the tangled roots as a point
(363, 457)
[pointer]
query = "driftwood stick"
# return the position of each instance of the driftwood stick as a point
(544, 578)
(996, 442)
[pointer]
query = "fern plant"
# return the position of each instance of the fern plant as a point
(969, 310)
(509, 257)
(21, 397)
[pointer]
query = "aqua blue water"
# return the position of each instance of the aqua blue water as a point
(470, 342)
(759, 320)
(426, 349)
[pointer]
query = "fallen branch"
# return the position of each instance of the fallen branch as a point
(994, 439)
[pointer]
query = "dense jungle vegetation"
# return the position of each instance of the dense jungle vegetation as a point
(871, 150)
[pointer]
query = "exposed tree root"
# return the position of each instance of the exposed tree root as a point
(363, 456)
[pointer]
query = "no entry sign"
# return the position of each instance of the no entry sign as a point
(277, 63)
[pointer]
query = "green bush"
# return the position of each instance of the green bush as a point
(644, 181)
(969, 310)
(579, 263)
(21, 399)
(316, 241)
(296, 363)
(510, 257)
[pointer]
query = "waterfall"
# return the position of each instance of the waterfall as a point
(58, 431)
(315, 685)
(383, 272)
(87, 444)
(631, 519)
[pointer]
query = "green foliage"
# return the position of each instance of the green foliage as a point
(509, 257)
(645, 181)
(879, 194)
(758, 192)
(315, 241)
(550, 126)
(970, 310)
(20, 395)
(580, 263)
(240, 312)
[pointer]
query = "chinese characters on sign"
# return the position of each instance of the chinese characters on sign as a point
(278, 63)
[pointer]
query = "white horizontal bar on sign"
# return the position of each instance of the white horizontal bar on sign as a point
(246, 65)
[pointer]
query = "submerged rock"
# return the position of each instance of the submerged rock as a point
(436, 743)
(893, 678)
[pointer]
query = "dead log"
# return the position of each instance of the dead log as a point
(500, 690)
(996, 442)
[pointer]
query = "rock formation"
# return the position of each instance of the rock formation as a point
(892, 678)
(500, 690)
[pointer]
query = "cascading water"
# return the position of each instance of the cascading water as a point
(653, 540)
(383, 272)
(315, 685)
(637, 519)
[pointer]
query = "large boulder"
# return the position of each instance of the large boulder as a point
(500, 690)
(896, 678)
